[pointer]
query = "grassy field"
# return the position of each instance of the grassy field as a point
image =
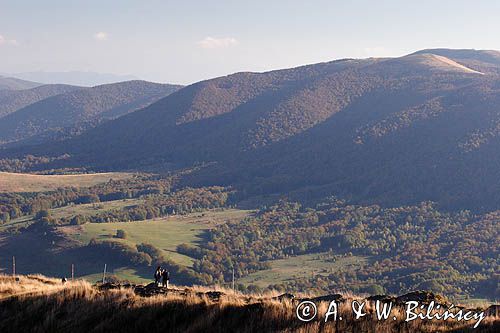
(72, 210)
(302, 266)
(22, 182)
(37, 252)
(164, 233)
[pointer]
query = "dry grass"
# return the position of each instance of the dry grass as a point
(40, 304)
(20, 285)
(22, 182)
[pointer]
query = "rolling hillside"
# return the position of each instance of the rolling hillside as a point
(84, 107)
(393, 131)
(13, 100)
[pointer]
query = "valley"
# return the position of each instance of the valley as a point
(374, 176)
(249, 166)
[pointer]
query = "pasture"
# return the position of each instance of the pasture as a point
(164, 233)
(23, 182)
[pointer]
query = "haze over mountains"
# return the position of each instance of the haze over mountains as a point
(396, 130)
(10, 83)
(77, 78)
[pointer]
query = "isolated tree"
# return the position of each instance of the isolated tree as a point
(77, 220)
(120, 233)
(44, 218)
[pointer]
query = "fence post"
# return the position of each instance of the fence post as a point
(104, 274)
(233, 280)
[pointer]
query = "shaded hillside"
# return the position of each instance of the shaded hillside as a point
(437, 147)
(395, 131)
(10, 83)
(13, 100)
(219, 117)
(84, 107)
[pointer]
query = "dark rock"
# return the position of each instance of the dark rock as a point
(108, 286)
(149, 290)
(329, 298)
(152, 290)
(493, 311)
(214, 295)
(284, 296)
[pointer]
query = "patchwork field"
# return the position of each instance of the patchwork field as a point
(72, 210)
(164, 233)
(22, 182)
(36, 252)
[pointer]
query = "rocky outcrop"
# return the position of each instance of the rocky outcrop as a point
(285, 296)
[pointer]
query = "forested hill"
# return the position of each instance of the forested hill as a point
(82, 107)
(398, 130)
(13, 100)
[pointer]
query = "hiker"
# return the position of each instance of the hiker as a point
(165, 278)
(158, 274)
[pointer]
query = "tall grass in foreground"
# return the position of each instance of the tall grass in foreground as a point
(40, 304)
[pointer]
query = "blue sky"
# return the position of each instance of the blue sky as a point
(187, 41)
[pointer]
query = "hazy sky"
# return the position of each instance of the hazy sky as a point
(185, 41)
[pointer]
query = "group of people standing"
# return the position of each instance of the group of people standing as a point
(162, 276)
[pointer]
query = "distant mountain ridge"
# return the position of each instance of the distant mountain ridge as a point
(13, 100)
(77, 78)
(81, 106)
(394, 131)
(11, 83)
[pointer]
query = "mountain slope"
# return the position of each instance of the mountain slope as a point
(13, 100)
(10, 83)
(227, 115)
(486, 61)
(83, 107)
(391, 131)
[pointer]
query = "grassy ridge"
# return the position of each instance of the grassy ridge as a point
(40, 304)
